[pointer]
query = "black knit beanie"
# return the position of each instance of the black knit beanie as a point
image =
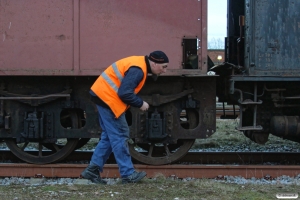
(158, 57)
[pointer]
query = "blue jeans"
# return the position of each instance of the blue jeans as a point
(115, 133)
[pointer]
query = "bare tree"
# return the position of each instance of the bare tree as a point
(215, 43)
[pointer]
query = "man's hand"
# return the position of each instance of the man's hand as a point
(145, 106)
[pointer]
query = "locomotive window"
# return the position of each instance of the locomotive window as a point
(190, 56)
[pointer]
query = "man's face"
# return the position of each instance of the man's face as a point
(159, 68)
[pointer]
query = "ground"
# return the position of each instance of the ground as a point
(157, 188)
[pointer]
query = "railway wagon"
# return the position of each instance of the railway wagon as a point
(261, 72)
(51, 52)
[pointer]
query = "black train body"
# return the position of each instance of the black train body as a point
(261, 72)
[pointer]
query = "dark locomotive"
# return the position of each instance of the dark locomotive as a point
(261, 72)
(51, 53)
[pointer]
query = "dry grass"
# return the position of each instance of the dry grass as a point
(158, 188)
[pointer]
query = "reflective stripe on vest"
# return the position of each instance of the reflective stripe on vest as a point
(117, 72)
(109, 81)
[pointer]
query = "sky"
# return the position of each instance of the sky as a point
(217, 17)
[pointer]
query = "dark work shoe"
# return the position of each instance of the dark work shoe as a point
(134, 177)
(92, 173)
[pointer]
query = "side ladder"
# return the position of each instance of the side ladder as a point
(253, 103)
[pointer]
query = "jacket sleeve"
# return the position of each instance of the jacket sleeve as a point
(132, 78)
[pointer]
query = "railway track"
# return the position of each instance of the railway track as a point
(176, 171)
(240, 158)
(195, 165)
(205, 158)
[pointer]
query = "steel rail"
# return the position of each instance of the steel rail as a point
(203, 158)
(35, 98)
(176, 171)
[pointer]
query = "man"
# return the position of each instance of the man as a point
(113, 92)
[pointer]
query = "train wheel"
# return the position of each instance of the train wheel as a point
(69, 119)
(41, 156)
(159, 147)
(161, 154)
(76, 122)
(58, 151)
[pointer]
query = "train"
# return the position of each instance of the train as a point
(51, 52)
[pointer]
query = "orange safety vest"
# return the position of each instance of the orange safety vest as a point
(108, 83)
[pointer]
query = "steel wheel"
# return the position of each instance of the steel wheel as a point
(160, 154)
(75, 122)
(42, 153)
(23, 151)
(160, 148)
(70, 119)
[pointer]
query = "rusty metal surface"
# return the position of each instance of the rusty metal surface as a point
(180, 171)
(36, 36)
(73, 37)
(272, 37)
